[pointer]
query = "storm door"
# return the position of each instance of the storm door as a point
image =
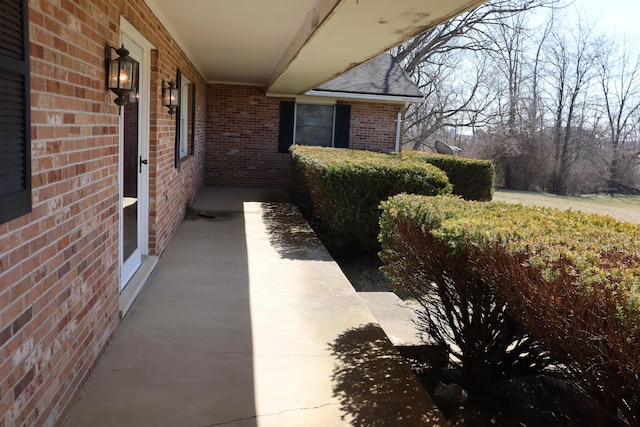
(133, 170)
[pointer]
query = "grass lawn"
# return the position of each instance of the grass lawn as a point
(622, 208)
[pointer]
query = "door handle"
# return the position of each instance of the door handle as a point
(142, 162)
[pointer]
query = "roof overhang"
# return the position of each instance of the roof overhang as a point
(291, 47)
(366, 97)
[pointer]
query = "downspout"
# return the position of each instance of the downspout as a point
(399, 127)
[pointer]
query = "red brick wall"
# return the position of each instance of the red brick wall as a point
(242, 135)
(59, 265)
(173, 189)
(373, 126)
(242, 138)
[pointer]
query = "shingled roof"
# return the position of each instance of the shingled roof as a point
(380, 77)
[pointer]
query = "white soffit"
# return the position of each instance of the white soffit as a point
(233, 41)
(291, 46)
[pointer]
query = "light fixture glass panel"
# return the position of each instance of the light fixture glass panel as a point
(114, 74)
(173, 97)
(125, 78)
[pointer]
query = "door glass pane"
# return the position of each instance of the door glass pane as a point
(130, 176)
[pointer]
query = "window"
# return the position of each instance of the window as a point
(313, 124)
(15, 120)
(185, 118)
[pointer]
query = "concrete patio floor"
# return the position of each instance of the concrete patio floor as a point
(248, 321)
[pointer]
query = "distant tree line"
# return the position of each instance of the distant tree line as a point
(553, 102)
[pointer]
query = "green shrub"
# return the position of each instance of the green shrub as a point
(571, 281)
(488, 344)
(472, 179)
(345, 188)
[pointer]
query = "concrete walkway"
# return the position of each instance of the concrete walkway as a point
(247, 321)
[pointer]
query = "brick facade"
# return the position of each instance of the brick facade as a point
(59, 265)
(242, 138)
(242, 135)
(373, 126)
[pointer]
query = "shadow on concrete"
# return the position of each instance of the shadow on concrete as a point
(290, 234)
(374, 385)
(217, 335)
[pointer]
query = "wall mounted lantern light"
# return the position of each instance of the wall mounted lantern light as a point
(170, 96)
(121, 73)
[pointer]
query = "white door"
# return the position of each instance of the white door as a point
(134, 152)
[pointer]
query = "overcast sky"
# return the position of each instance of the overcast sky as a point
(613, 15)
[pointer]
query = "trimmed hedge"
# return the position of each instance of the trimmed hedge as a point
(571, 282)
(345, 188)
(472, 179)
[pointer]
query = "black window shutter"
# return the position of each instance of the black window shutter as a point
(192, 115)
(15, 118)
(177, 116)
(287, 117)
(341, 129)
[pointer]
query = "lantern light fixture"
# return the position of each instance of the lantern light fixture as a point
(121, 73)
(170, 96)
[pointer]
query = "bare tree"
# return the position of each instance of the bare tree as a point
(570, 59)
(466, 32)
(619, 82)
(517, 150)
(455, 98)
(555, 108)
